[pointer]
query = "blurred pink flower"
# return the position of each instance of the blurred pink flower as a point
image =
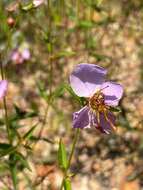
(20, 56)
(3, 88)
(13, 6)
(37, 3)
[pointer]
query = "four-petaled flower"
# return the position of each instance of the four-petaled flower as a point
(88, 80)
(3, 88)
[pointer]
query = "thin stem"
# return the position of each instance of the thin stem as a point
(6, 119)
(70, 156)
(50, 49)
(51, 66)
(44, 121)
(1, 68)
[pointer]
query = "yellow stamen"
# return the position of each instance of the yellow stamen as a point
(105, 114)
(98, 92)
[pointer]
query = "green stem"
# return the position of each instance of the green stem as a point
(70, 157)
(44, 121)
(6, 119)
(51, 48)
(50, 58)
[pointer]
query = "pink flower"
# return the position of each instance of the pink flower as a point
(37, 3)
(88, 80)
(14, 5)
(3, 88)
(20, 56)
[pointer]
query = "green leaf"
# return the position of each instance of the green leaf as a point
(62, 156)
(33, 138)
(29, 133)
(28, 7)
(46, 39)
(8, 151)
(67, 184)
(42, 90)
(58, 92)
(115, 109)
(63, 53)
(67, 87)
(21, 114)
(4, 145)
(13, 170)
(20, 157)
(86, 25)
(29, 114)
(28, 148)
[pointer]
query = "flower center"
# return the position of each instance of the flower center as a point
(96, 102)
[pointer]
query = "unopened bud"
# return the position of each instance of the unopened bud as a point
(10, 21)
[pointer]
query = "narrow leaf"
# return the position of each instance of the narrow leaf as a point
(63, 53)
(29, 133)
(42, 90)
(62, 156)
(24, 162)
(13, 170)
(4, 145)
(21, 114)
(84, 25)
(8, 151)
(60, 91)
(67, 87)
(46, 39)
(28, 7)
(115, 109)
